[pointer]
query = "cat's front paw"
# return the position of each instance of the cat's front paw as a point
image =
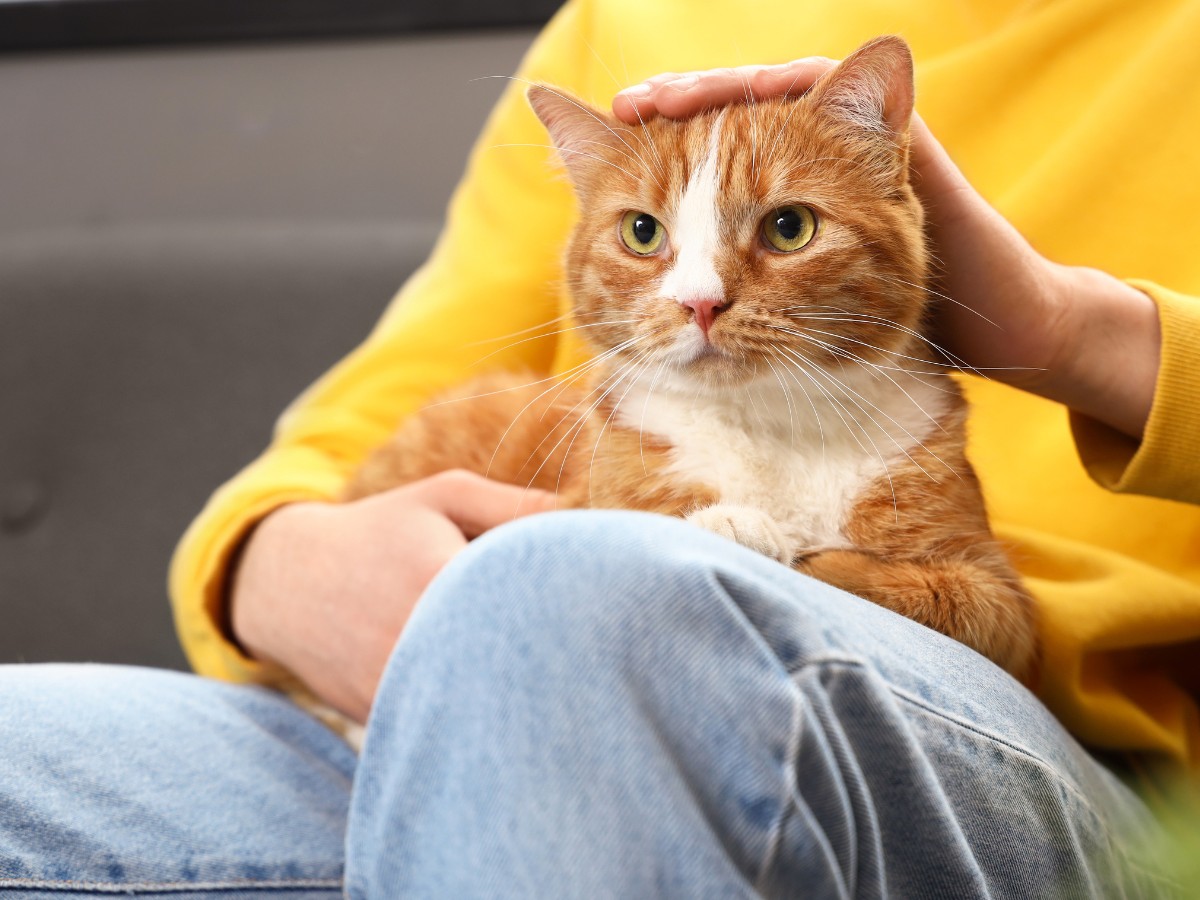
(748, 526)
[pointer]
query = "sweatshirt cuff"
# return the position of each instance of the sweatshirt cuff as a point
(204, 560)
(1166, 462)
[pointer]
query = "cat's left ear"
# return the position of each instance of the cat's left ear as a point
(872, 88)
(582, 135)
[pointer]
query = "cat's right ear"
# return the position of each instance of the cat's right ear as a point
(872, 91)
(583, 136)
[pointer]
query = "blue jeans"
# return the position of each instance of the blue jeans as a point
(583, 705)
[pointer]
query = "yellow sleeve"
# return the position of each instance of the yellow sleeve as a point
(1166, 462)
(494, 272)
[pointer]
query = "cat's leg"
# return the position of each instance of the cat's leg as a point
(981, 605)
(611, 704)
(746, 525)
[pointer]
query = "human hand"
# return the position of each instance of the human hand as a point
(1072, 334)
(324, 590)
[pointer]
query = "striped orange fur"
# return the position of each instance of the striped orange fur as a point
(768, 380)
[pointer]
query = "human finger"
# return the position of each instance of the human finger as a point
(476, 504)
(678, 96)
(936, 176)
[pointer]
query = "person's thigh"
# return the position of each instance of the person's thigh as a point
(118, 780)
(614, 704)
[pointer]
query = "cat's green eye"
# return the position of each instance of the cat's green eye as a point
(789, 228)
(641, 233)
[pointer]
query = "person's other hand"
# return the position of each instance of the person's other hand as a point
(1075, 335)
(324, 590)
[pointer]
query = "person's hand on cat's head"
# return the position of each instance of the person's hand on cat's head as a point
(677, 95)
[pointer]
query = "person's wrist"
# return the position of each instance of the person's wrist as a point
(1052, 372)
(254, 584)
(1106, 362)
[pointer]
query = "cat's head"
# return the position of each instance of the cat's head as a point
(755, 238)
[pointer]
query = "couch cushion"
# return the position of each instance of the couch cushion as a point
(139, 368)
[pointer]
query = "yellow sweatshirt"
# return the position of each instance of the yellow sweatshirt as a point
(1076, 118)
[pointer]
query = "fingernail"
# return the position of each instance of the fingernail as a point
(638, 90)
(686, 83)
(779, 69)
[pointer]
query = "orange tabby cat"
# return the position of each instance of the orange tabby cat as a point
(752, 281)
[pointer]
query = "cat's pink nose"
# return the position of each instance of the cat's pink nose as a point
(705, 310)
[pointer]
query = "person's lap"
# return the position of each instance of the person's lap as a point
(615, 699)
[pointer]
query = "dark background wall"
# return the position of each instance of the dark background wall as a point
(189, 234)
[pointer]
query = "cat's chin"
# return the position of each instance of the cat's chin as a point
(711, 368)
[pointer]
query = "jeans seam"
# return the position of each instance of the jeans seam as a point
(945, 715)
(775, 837)
(172, 886)
(965, 724)
(1025, 752)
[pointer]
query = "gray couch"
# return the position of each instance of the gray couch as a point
(189, 236)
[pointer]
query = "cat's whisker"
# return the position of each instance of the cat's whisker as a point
(600, 59)
(816, 415)
(855, 397)
(582, 421)
(943, 369)
(804, 164)
(571, 100)
(849, 316)
(576, 370)
(809, 331)
(645, 131)
(663, 174)
(954, 361)
(873, 369)
(791, 110)
(547, 334)
(847, 393)
(895, 280)
(636, 365)
(591, 156)
(600, 360)
(642, 421)
(751, 102)
(467, 398)
(881, 370)
(787, 399)
(513, 334)
(562, 384)
(636, 157)
(842, 412)
(917, 375)
(750, 394)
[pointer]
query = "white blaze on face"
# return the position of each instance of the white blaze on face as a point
(693, 276)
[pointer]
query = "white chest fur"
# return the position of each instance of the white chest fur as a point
(802, 461)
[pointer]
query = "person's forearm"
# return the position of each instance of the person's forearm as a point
(1108, 368)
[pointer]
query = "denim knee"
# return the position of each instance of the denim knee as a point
(567, 576)
(619, 586)
(626, 584)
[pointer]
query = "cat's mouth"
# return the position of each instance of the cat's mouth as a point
(692, 348)
(708, 360)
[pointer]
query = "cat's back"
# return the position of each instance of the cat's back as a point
(514, 427)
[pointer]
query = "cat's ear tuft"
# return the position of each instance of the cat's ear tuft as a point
(873, 87)
(580, 133)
